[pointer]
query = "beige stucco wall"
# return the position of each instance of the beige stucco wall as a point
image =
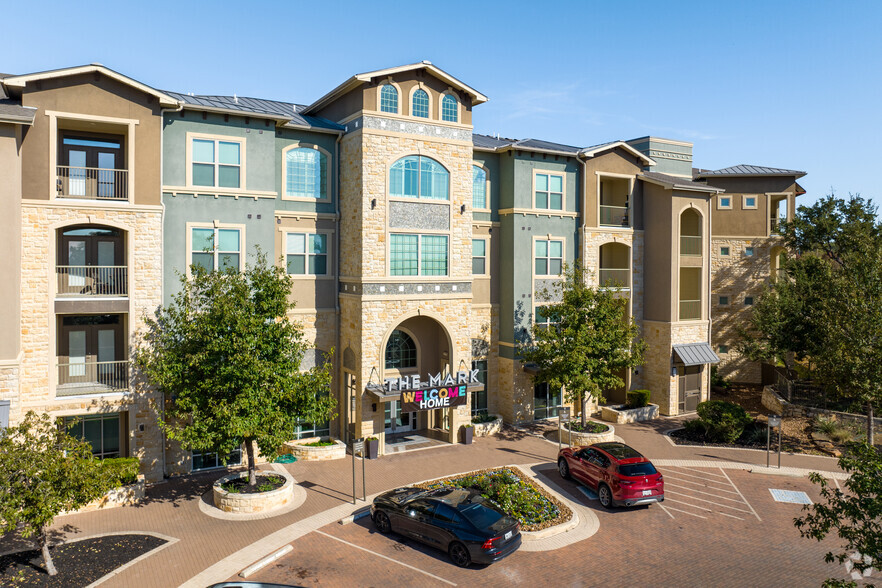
(619, 162)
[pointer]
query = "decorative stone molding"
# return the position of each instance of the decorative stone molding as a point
(619, 414)
(252, 503)
(304, 452)
(488, 428)
(576, 438)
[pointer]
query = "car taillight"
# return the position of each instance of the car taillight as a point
(488, 544)
(660, 477)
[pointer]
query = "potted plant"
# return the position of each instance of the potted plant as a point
(372, 444)
(468, 432)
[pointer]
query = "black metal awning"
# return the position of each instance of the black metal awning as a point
(695, 353)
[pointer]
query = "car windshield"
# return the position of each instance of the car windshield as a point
(480, 516)
(637, 469)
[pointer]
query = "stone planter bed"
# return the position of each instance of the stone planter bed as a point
(304, 452)
(619, 414)
(251, 503)
(122, 496)
(488, 428)
(577, 438)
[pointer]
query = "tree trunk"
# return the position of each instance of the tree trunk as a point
(584, 410)
(252, 467)
(47, 557)
(870, 438)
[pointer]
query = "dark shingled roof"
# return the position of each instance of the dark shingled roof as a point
(750, 170)
(257, 106)
(13, 110)
(678, 182)
(489, 142)
(546, 146)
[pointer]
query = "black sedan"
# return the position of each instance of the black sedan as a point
(459, 521)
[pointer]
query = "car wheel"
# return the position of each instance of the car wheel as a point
(605, 496)
(563, 468)
(459, 554)
(381, 522)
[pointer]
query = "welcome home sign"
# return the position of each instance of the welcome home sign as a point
(439, 392)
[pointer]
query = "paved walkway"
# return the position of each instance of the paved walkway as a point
(211, 549)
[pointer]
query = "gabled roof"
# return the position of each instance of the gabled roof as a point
(358, 79)
(490, 142)
(749, 170)
(286, 112)
(21, 80)
(595, 149)
(675, 183)
(11, 111)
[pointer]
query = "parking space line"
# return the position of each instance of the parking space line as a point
(702, 492)
(732, 516)
(669, 499)
(685, 474)
(666, 510)
(705, 482)
(387, 558)
(685, 512)
(711, 502)
(835, 481)
(742, 495)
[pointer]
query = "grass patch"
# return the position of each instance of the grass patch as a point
(318, 444)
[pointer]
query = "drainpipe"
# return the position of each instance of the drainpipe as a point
(339, 352)
(708, 304)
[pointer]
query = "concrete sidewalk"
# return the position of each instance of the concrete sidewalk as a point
(211, 550)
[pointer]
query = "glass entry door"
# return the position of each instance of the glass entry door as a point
(397, 421)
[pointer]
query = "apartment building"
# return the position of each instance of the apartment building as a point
(416, 246)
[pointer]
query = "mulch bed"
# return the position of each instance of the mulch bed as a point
(78, 563)
(268, 483)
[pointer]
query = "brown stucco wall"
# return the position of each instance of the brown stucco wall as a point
(618, 162)
(658, 253)
(742, 222)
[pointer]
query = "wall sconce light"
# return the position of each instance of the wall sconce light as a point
(673, 371)
(373, 203)
(462, 209)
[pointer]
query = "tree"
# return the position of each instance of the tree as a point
(856, 515)
(587, 341)
(44, 471)
(228, 359)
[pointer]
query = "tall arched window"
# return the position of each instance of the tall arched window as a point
(479, 187)
(420, 105)
(449, 108)
(389, 99)
(306, 173)
(419, 177)
(401, 352)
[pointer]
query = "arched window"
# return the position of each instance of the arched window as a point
(449, 108)
(479, 187)
(306, 173)
(401, 352)
(690, 233)
(420, 105)
(389, 99)
(419, 177)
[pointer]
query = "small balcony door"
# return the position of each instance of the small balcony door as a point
(91, 354)
(92, 166)
(91, 261)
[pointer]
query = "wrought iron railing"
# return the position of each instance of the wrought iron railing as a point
(613, 216)
(92, 183)
(690, 310)
(690, 245)
(91, 280)
(92, 377)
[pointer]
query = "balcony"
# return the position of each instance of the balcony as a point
(690, 310)
(690, 246)
(92, 183)
(91, 280)
(615, 278)
(613, 216)
(92, 377)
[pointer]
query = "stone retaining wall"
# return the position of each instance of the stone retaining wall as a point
(778, 405)
(619, 414)
(252, 503)
(303, 452)
(488, 428)
(575, 438)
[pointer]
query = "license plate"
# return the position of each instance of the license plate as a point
(647, 493)
(508, 535)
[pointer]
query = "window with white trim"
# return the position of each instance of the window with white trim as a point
(420, 104)
(479, 187)
(215, 248)
(541, 318)
(306, 254)
(748, 251)
(417, 255)
(548, 258)
(449, 108)
(306, 173)
(724, 202)
(724, 251)
(389, 99)
(749, 202)
(216, 163)
(415, 176)
(479, 256)
(549, 191)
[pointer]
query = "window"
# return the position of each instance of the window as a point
(723, 349)
(748, 251)
(724, 202)
(479, 397)
(749, 202)
(209, 461)
(549, 191)
(545, 401)
(419, 177)
(307, 254)
(724, 251)
(433, 255)
(304, 431)
(216, 163)
(479, 256)
(212, 248)
(479, 188)
(548, 258)
(418, 255)
(306, 173)
(389, 99)
(748, 301)
(542, 319)
(420, 104)
(449, 108)
(102, 431)
(724, 300)
(401, 351)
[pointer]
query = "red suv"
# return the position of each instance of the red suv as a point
(621, 476)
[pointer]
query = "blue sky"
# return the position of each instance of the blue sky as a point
(783, 84)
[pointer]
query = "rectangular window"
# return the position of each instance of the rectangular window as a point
(548, 258)
(724, 251)
(724, 202)
(210, 461)
(216, 163)
(306, 431)
(723, 349)
(479, 188)
(724, 301)
(749, 202)
(748, 301)
(545, 401)
(102, 431)
(433, 255)
(479, 397)
(541, 318)
(479, 257)
(213, 248)
(748, 251)
(418, 255)
(306, 254)
(549, 191)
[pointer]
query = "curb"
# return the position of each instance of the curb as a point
(266, 561)
(364, 511)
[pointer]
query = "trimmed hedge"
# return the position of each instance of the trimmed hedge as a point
(637, 399)
(721, 421)
(122, 471)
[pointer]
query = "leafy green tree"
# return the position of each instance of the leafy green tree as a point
(589, 339)
(44, 471)
(228, 361)
(855, 515)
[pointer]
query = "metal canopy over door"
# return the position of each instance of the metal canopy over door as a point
(690, 388)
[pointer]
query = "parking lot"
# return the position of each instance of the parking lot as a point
(716, 528)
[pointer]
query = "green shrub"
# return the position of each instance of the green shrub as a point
(696, 430)
(122, 470)
(318, 444)
(825, 425)
(637, 398)
(754, 434)
(717, 380)
(724, 421)
(590, 427)
(483, 417)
